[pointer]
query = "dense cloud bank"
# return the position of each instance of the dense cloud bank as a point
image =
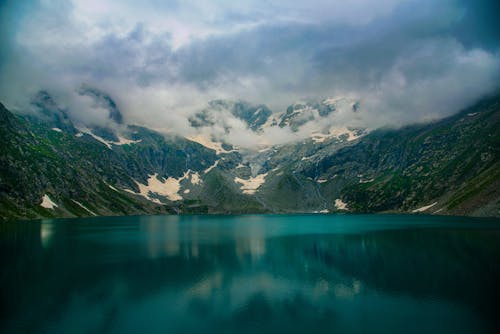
(162, 61)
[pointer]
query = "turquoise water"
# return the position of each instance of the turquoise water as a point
(247, 274)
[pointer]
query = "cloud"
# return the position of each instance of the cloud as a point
(162, 61)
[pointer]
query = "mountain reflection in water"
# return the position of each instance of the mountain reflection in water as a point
(304, 273)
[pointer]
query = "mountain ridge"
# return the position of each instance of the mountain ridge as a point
(450, 166)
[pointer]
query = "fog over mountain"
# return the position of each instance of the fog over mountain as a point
(162, 62)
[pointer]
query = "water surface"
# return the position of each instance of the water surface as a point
(247, 274)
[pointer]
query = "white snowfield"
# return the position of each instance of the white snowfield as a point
(47, 203)
(168, 188)
(424, 208)
(56, 130)
(251, 185)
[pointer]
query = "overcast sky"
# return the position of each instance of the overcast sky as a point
(406, 61)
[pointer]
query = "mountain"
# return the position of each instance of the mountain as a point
(301, 113)
(49, 111)
(318, 119)
(254, 116)
(137, 171)
(52, 168)
(450, 166)
(103, 100)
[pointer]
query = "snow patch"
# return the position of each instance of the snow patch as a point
(211, 167)
(338, 132)
(56, 130)
(47, 203)
(340, 205)
(96, 137)
(84, 207)
(110, 186)
(422, 209)
(125, 141)
(321, 180)
(113, 188)
(108, 143)
(195, 178)
(334, 101)
(216, 146)
(319, 138)
(335, 132)
(169, 188)
(251, 185)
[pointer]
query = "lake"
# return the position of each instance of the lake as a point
(251, 273)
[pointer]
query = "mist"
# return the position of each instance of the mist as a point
(404, 61)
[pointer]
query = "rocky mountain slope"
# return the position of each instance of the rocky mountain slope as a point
(254, 116)
(50, 167)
